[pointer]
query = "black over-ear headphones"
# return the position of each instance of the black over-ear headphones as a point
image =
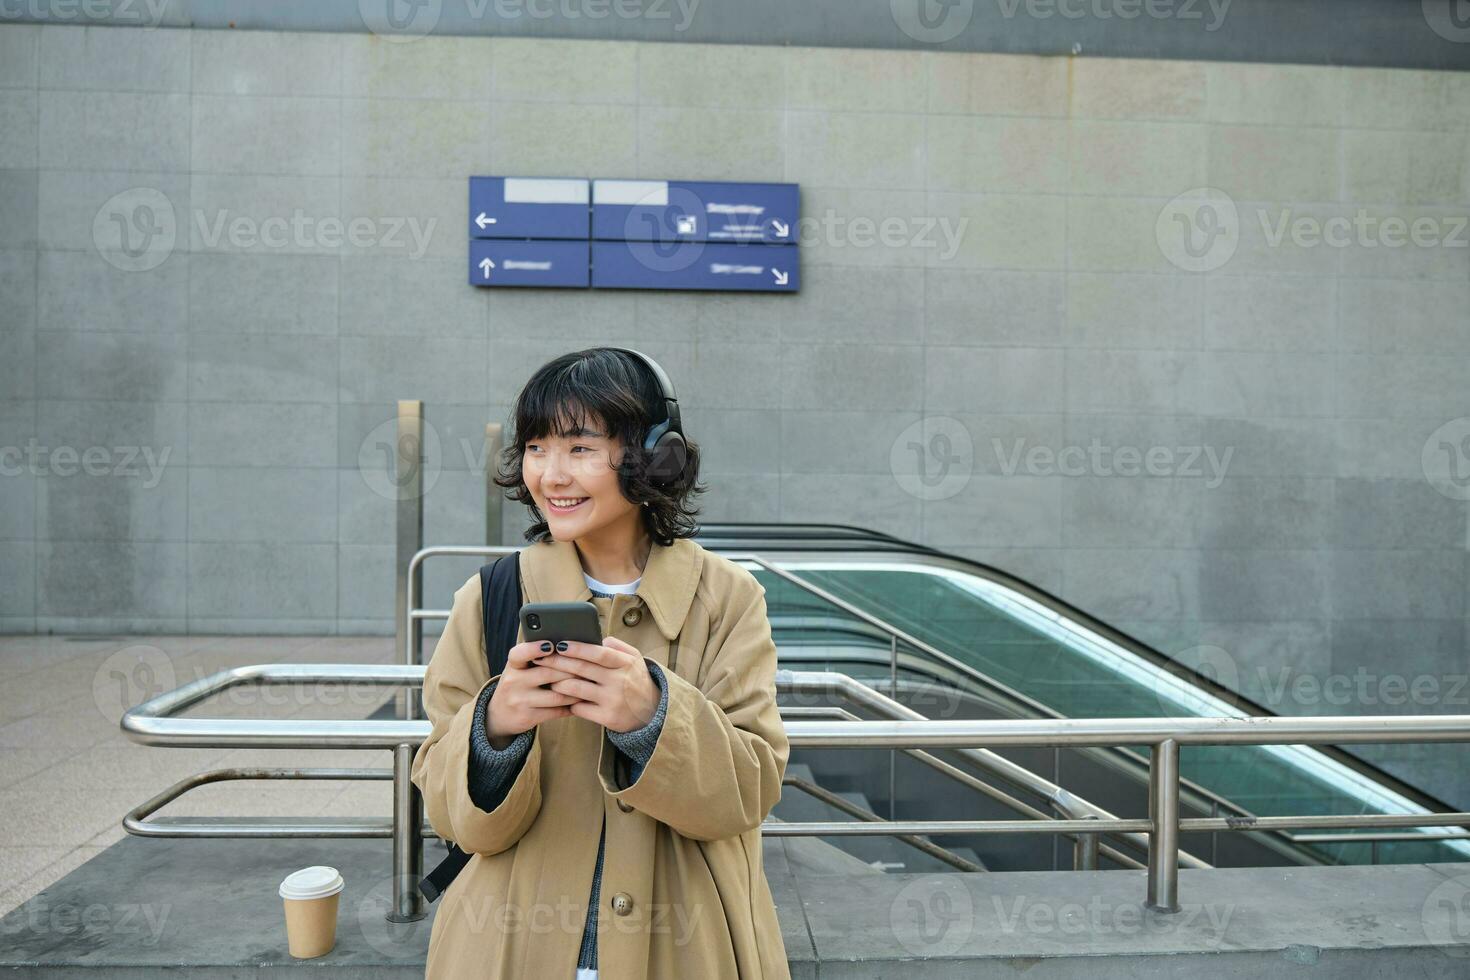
(666, 439)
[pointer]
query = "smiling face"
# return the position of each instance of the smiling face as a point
(577, 468)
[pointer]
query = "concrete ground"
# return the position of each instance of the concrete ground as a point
(68, 774)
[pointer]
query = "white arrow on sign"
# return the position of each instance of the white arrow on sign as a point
(485, 266)
(482, 220)
(781, 277)
(782, 228)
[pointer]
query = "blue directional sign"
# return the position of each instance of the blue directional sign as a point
(503, 263)
(528, 207)
(695, 265)
(694, 211)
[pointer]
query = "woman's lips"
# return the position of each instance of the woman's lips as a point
(564, 510)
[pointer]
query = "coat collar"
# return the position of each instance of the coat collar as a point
(552, 572)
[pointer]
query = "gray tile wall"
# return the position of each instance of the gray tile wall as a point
(987, 254)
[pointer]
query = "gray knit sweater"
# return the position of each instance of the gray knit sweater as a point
(493, 772)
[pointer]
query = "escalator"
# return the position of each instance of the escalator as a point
(994, 646)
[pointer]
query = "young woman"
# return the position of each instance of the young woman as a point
(610, 796)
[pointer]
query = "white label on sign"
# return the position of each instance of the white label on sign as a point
(713, 208)
(528, 266)
(725, 269)
(646, 193)
(545, 190)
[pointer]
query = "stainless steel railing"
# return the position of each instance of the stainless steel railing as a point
(151, 723)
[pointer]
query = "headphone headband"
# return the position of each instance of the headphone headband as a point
(666, 438)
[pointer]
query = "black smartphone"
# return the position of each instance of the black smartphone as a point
(553, 621)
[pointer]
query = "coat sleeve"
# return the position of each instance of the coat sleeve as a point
(445, 768)
(717, 767)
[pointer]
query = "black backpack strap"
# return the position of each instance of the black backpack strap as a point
(500, 602)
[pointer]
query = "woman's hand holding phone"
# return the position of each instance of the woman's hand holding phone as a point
(610, 680)
(520, 702)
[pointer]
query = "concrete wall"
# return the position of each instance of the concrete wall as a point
(992, 251)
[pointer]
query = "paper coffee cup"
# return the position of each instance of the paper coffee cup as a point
(311, 897)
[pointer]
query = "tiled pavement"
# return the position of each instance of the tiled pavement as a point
(68, 774)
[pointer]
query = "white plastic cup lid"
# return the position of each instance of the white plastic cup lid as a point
(317, 881)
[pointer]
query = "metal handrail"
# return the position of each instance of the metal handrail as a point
(892, 548)
(149, 723)
(991, 761)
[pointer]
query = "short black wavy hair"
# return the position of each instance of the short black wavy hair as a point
(618, 389)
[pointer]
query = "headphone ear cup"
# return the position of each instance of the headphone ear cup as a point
(670, 456)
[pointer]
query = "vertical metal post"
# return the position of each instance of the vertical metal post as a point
(408, 851)
(1163, 840)
(408, 846)
(1084, 849)
(494, 497)
(892, 753)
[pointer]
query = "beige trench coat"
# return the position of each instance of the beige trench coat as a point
(684, 893)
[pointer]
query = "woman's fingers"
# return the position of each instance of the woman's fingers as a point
(550, 699)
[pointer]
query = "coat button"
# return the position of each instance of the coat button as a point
(632, 616)
(622, 903)
(624, 807)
